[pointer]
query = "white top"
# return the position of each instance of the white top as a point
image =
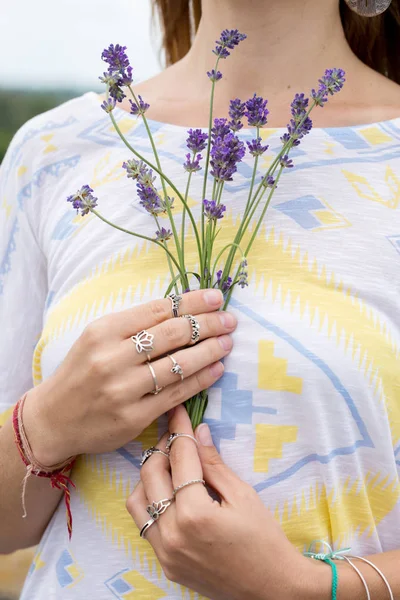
(308, 411)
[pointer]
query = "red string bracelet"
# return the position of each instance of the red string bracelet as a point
(57, 473)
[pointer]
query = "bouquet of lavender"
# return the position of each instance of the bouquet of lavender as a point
(223, 151)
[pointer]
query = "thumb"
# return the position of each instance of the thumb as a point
(216, 473)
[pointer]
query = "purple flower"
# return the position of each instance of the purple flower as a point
(226, 151)
(119, 71)
(268, 181)
(192, 164)
(139, 108)
(226, 284)
(243, 275)
(300, 125)
(331, 83)
(229, 39)
(237, 110)
(214, 75)
(286, 162)
(256, 111)
(83, 200)
(135, 169)
(150, 200)
(212, 210)
(163, 235)
(256, 148)
(299, 105)
(197, 140)
(108, 105)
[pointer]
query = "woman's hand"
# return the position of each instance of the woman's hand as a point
(225, 551)
(100, 397)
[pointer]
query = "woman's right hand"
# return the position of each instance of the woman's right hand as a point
(100, 397)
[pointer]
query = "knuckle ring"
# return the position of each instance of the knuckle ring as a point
(143, 342)
(149, 452)
(195, 328)
(158, 508)
(157, 389)
(183, 485)
(175, 436)
(175, 301)
(176, 368)
(145, 527)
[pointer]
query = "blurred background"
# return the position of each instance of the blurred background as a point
(50, 52)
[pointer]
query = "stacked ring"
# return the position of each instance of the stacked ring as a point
(157, 389)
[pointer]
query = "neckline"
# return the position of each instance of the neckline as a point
(247, 130)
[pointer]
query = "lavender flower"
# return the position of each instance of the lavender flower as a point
(237, 110)
(300, 125)
(197, 140)
(256, 148)
(226, 151)
(163, 235)
(108, 105)
(226, 284)
(212, 210)
(135, 169)
(119, 71)
(286, 162)
(192, 164)
(214, 75)
(256, 111)
(140, 107)
(331, 83)
(229, 39)
(243, 275)
(83, 200)
(268, 181)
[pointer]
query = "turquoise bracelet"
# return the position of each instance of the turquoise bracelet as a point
(329, 559)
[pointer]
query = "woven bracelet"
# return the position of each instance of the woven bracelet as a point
(58, 474)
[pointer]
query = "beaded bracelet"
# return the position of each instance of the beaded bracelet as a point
(57, 474)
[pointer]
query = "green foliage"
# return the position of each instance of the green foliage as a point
(17, 106)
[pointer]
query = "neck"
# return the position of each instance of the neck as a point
(290, 43)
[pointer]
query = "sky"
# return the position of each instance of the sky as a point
(57, 44)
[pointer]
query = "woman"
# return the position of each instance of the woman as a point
(306, 417)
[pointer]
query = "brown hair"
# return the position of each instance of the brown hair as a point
(376, 41)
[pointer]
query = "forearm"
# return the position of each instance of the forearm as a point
(350, 586)
(41, 499)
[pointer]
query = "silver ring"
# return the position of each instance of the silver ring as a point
(176, 369)
(183, 485)
(175, 301)
(145, 527)
(149, 452)
(175, 436)
(195, 328)
(143, 342)
(157, 389)
(158, 508)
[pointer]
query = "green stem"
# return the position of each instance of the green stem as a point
(143, 237)
(184, 211)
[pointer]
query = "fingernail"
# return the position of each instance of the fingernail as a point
(213, 297)
(227, 320)
(225, 341)
(217, 369)
(203, 434)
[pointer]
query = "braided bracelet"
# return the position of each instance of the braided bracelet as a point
(57, 474)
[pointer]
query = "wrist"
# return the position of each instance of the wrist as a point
(48, 444)
(315, 582)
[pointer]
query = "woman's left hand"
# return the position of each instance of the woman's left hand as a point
(225, 551)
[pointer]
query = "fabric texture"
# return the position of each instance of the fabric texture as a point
(308, 411)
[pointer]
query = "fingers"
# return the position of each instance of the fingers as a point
(171, 396)
(216, 473)
(191, 360)
(177, 333)
(129, 322)
(184, 459)
(156, 479)
(136, 506)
